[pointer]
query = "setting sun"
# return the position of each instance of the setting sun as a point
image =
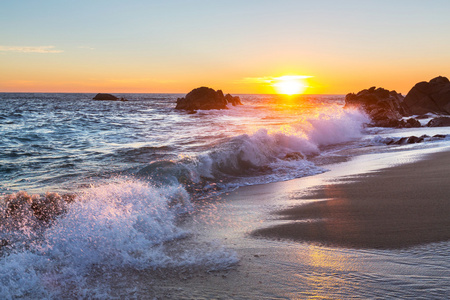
(290, 85)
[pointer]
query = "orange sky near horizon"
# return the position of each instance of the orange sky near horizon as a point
(174, 47)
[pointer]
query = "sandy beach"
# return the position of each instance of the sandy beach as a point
(373, 234)
(392, 208)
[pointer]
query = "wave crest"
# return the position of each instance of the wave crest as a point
(129, 224)
(264, 156)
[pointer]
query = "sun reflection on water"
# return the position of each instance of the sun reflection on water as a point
(326, 279)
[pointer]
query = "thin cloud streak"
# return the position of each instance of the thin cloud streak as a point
(32, 49)
(269, 79)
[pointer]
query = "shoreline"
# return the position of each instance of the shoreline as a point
(392, 208)
(281, 267)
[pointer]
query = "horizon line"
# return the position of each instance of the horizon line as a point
(172, 93)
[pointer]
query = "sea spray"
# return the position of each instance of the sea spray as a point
(263, 156)
(337, 126)
(125, 225)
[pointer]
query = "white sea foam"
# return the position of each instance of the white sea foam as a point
(111, 227)
(261, 157)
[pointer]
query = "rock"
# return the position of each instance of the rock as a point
(388, 122)
(384, 107)
(43, 208)
(3, 243)
(421, 117)
(439, 122)
(397, 123)
(206, 98)
(411, 123)
(408, 140)
(439, 136)
(415, 139)
(234, 100)
(48, 207)
(401, 141)
(101, 96)
(294, 156)
(426, 97)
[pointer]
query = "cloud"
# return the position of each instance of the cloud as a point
(257, 79)
(36, 49)
(270, 79)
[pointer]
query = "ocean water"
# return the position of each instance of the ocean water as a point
(101, 187)
(62, 142)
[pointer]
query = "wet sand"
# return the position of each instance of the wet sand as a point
(328, 262)
(393, 208)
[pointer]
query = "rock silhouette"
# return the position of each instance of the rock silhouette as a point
(429, 97)
(384, 107)
(101, 96)
(206, 98)
(439, 122)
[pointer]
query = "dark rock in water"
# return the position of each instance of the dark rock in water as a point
(426, 97)
(294, 156)
(424, 116)
(3, 243)
(412, 123)
(439, 136)
(384, 107)
(101, 96)
(206, 98)
(439, 122)
(234, 100)
(42, 208)
(409, 140)
(389, 122)
(389, 141)
(401, 141)
(415, 139)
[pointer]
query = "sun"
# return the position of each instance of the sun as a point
(290, 85)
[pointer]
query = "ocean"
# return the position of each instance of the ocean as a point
(134, 181)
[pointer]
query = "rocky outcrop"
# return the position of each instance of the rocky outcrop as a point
(234, 100)
(413, 139)
(294, 156)
(42, 208)
(426, 97)
(108, 97)
(101, 96)
(206, 98)
(22, 214)
(439, 122)
(384, 107)
(409, 140)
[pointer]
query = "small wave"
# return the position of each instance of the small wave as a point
(144, 154)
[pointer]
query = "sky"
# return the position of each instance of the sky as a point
(239, 46)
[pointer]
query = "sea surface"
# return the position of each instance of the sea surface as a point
(129, 176)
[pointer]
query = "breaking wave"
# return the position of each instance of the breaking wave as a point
(262, 157)
(109, 228)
